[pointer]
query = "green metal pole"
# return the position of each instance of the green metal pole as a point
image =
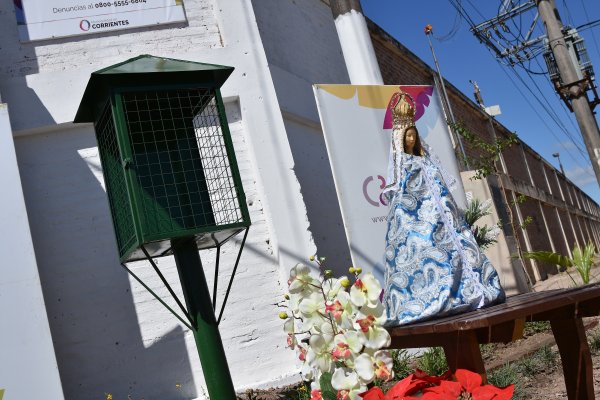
(204, 323)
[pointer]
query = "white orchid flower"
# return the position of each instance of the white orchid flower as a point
(379, 365)
(301, 281)
(368, 324)
(346, 382)
(312, 309)
(342, 310)
(346, 346)
(325, 330)
(333, 286)
(309, 373)
(319, 353)
(365, 291)
(289, 328)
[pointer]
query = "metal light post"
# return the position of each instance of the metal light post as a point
(172, 182)
(557, 155)
(446, 101)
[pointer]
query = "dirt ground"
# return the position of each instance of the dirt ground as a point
(547, 383)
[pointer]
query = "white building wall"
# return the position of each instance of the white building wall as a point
(26, 349)
(109, 335)
(302, 48)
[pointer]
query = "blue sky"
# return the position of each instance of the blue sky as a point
(463, 58)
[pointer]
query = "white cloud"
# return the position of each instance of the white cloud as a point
(581, 176)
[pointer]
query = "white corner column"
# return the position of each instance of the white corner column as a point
(28, 367)
(355, 40)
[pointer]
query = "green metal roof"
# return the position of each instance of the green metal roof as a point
(146, 70)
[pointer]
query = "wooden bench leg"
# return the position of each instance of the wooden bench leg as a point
(576, 358)
(462, 351)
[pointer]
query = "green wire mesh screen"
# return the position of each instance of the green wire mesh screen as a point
(114, 178)
(180, 161)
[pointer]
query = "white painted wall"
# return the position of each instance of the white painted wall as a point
(26, 350)
(302, 48)
(110, 335)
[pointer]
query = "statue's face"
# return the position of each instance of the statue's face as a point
(410, 138)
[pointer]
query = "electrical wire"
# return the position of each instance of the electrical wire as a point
(453, 31)
(460, 9)
(569, 17)
(587, 16)
(558, 140)
(557, 120)
(567, 113)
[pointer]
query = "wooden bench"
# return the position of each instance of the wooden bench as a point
(461, 335)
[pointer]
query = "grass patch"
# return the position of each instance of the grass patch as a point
(487, 350)
(532, 328)
(433, 361)
(544, 359)
(507, 375)
(594, 342)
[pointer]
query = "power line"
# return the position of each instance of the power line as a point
(559, 142)
(562, 104)
(550, 111)
(569, 18)
(460, 9)
(587, 16)
(453, 31)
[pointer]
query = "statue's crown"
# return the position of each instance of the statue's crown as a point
(403, 109)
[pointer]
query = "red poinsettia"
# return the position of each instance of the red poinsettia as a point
(467, 386)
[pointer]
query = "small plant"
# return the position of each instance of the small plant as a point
(300, 392)
(485, 236)
(433, 361)
(487, 350)
(402, 363)
(534, 327)
(582, 260)
(544, 359)
(594, 342)
(507, 375)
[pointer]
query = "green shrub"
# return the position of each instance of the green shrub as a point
(402, 366)
(433, 361)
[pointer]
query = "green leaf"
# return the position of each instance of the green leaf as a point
(549, 257)
(327, 391)
(582, 260)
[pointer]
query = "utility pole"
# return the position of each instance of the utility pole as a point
(572, 85)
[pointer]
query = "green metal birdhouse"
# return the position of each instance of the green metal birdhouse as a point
(167, 154)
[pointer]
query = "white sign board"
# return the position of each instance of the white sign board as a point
(357, 125)
(46, 19)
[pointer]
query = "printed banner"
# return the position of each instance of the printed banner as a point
(357, 125)
(46, 19)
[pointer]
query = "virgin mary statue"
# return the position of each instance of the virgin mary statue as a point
(433, 265)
